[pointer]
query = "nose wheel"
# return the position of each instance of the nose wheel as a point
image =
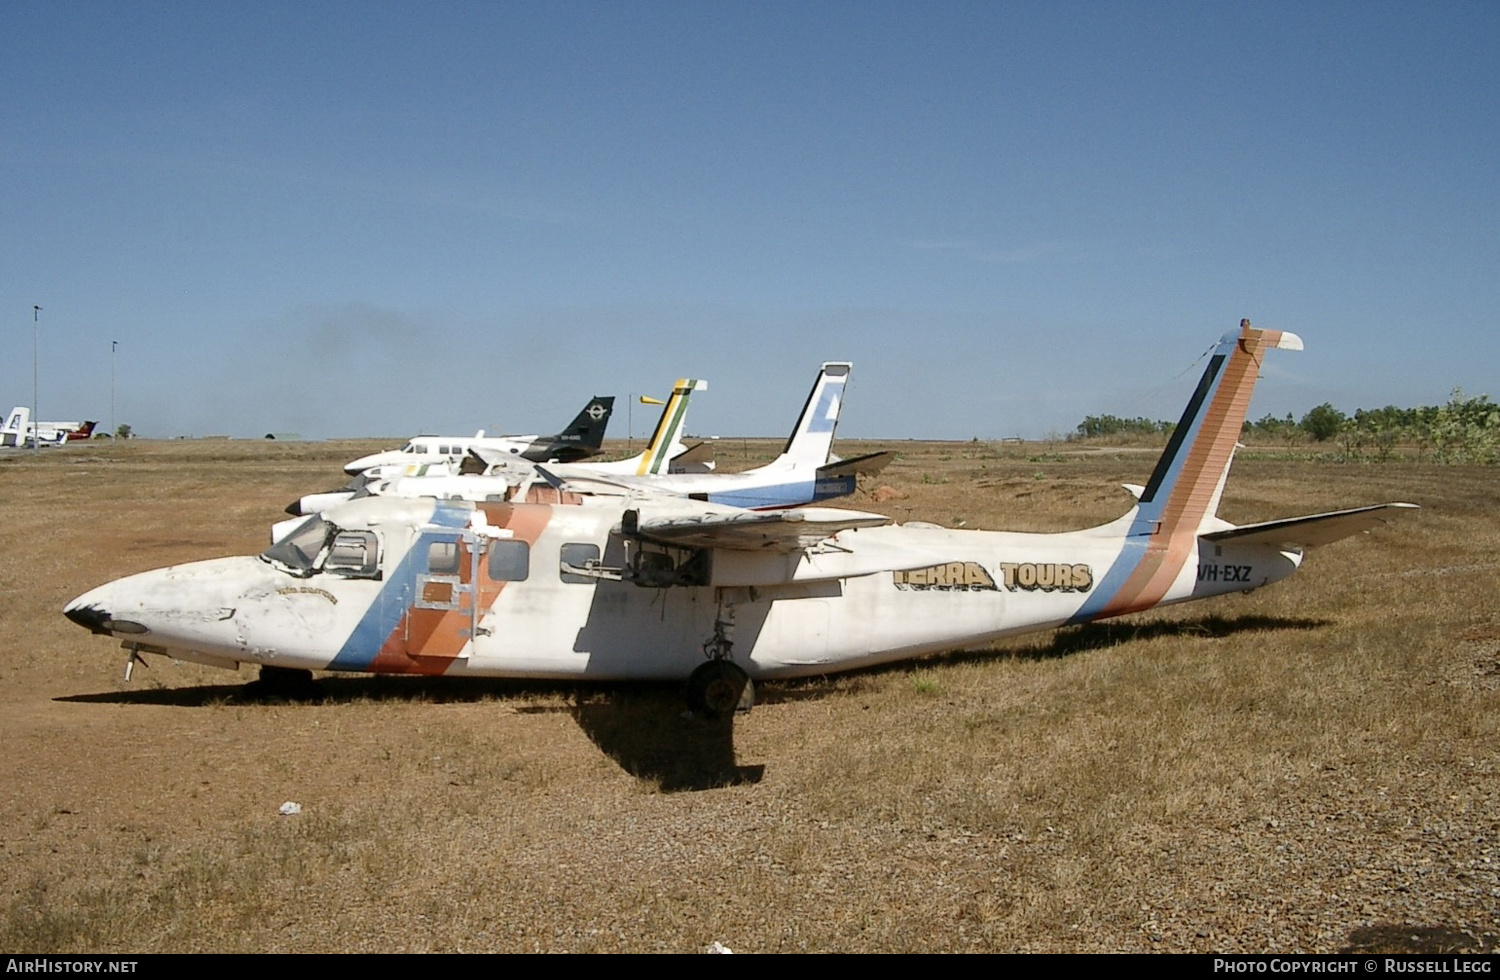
(719, 688)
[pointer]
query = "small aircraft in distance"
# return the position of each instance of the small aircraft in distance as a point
(484, 475)
(583, 438)
(19, 430)
(670, 588)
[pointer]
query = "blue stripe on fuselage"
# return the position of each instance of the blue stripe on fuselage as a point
(766, 498)
(394, 598)
(793, 494)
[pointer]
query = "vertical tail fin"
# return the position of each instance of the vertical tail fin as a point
(1184, 488)
(586, 431)
(669, 427)
(812, 437)
(16, 427)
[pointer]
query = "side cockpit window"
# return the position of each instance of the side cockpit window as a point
(299, 550)
(318, 546)
(354, 554)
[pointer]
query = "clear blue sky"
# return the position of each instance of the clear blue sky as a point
(347, 219)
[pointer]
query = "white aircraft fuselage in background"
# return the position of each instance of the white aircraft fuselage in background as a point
(580, 440)
(19, 430)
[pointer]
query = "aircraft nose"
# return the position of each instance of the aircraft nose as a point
(98, 612)
(90, 612)
(90, 617)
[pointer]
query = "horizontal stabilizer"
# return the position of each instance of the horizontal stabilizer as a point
(1296, 533)
(781, 531)
(697, 458)
(866, 465)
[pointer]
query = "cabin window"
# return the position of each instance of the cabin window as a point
(510, 560)
(579, 556)
(354, 554)
(442, 557)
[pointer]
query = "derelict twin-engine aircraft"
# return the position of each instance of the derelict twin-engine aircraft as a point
(669, 588)
(583, 438)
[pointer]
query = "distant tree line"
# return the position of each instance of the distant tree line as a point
(1107, 426)
(1465, 430)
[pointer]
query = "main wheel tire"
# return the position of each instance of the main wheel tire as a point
(717, 688)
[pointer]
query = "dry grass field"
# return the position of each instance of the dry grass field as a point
(1312, 767)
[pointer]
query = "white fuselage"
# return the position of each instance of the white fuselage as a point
(534, 590)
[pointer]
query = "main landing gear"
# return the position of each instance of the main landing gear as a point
(719, 688)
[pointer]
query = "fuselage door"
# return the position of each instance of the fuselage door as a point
(444, 612)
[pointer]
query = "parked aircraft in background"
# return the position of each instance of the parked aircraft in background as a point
(484, 475)
(664, 453)
(671, 588)
(802, 474)
(806, 471)
(581, 439)
(19, 430)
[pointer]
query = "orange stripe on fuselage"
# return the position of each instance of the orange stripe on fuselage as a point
(1176, 537)
(440, 633)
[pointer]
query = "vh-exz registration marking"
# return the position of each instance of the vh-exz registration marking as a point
(1224, 573)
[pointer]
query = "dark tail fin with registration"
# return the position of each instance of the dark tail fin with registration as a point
(584, 436)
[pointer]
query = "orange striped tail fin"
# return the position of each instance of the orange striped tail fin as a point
(1184, 488)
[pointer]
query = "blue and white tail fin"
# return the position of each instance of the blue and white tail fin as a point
(811, 440)
(17, 427)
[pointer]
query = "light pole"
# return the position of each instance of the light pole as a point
(36, 428)
(113, 429)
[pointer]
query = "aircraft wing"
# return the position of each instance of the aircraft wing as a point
(1296, 533)
(867, 465)
(709, 526)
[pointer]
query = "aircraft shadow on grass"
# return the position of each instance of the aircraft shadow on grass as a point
(1403, 937)
(641, 726)
(1064, 642)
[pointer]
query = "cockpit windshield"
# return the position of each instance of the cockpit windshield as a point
(298, 552)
